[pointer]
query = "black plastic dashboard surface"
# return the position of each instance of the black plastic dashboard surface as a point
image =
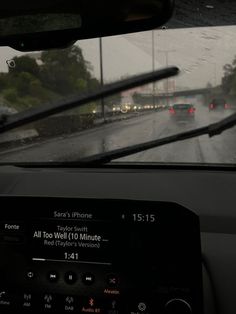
(68, 255)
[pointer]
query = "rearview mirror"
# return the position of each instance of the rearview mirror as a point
(48, 24)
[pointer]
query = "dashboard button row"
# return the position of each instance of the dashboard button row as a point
(71, 277)
(49, 302)
(58, 303)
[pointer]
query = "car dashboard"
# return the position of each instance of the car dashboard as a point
(150, 240)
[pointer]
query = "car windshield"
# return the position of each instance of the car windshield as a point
(207, 63)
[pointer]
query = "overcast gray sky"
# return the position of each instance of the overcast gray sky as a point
(200, 54)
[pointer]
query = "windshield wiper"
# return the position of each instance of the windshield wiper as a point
(211, 129)
(19, 119)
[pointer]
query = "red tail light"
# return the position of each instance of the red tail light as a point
(172, 111)
(211, 106)
(227, 106)
(191, 110)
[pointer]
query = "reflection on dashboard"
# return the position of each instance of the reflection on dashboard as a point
(99, 256)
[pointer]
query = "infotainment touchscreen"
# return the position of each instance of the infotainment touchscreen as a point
(62, 255)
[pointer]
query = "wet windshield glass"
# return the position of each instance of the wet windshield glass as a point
(206, 85)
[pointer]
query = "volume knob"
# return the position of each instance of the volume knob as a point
(177, 306)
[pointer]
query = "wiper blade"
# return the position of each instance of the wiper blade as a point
(43, 111)
(211, 129)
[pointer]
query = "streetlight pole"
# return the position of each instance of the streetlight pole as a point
(166, 52)
(215, 74)
(153, 67)
(101, 77)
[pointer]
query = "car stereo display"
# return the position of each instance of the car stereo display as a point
(62, 255)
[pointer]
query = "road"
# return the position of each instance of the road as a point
(220, 149)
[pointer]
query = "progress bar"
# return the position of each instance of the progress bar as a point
(38, 259)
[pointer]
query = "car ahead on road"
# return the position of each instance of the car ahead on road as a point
(218, 104)
(182, 112)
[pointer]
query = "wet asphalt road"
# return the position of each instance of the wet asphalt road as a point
(220, 149)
